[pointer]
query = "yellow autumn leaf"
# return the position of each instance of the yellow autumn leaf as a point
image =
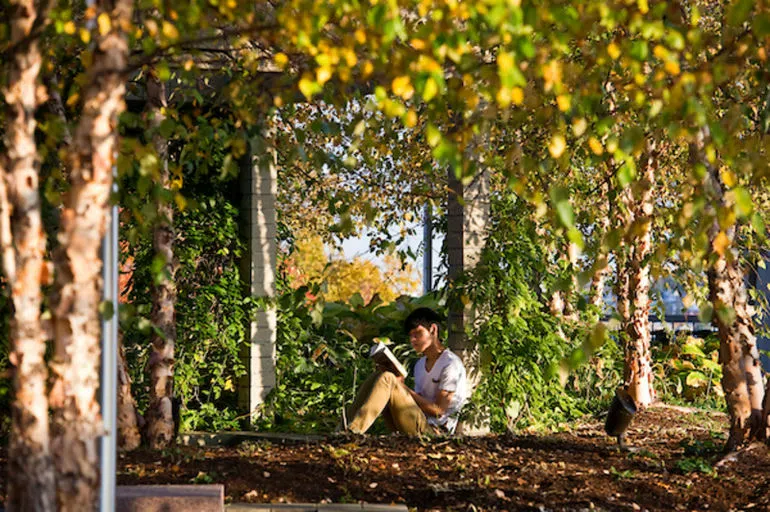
(430, 90)
(411, 119)
(503, 97)
(721, 243)
(367, 69)
(69, 28)
(170, 31)
(644, 7)
(104, 23)
(418, 44)
(613, 50)
(595, 146)
(350, 57)
(729, 178)
(672, 67)
(360, 36)
(229, 385)
(579, 126)
(402, 87)
(563, 101)
(180, 201)
(557, 146)
(517, 95)
(323, 74)
(85, 35)
(505, 60)
(188, 65)
(307, 86)
(552, 74)
(281, 60)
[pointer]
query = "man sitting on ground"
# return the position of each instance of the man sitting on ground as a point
(441, 387)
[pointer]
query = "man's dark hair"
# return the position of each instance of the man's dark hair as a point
(422, 316)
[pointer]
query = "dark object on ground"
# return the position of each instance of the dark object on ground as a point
(619, 417)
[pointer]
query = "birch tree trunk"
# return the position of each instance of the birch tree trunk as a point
(638, 361)
(129, 437)
(741, 371)
(77, 422)
(599, 277)
(30, 468)
(159, 415)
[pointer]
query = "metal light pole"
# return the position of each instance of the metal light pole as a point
(109, 383)
(427, 256)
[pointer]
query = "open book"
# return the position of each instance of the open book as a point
(382, 356)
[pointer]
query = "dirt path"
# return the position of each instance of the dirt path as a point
(676, 465)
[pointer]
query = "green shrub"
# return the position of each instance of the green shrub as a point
(323, 353)
(687, 370)
(212, 313)
(522, 345)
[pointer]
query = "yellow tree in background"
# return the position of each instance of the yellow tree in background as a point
(340, 279)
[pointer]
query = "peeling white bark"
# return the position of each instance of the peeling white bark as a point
(31, 476)
(77, 422)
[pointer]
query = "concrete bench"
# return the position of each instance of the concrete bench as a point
(170, 498)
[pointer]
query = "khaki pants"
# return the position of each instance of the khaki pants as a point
(382, 393)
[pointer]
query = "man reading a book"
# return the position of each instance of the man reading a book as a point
(441, 386)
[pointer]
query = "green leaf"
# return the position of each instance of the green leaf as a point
(696, 379)
(739, 11)
(761, 25)
(316, 315)
(758, 223)
(626, 174)
(433, 135)
(744, 206)
(693, 350)
(513, 409)
(526, 48)
(563, 207)
(106, 309)
(598, 336)
(706, 311)
(639, 50)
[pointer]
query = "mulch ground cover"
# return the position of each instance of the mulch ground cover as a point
(675, 463)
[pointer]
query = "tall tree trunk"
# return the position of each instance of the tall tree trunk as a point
(741, 371)
(638, 361)
(129, 437)
(601, 268)
(30, 468)
(159, 415)
(77, 422)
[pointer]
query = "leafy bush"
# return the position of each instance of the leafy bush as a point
(688, 370)
(323, 353)
(212, 313)
(521, 343)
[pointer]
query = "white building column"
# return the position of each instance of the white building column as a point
(259, 189)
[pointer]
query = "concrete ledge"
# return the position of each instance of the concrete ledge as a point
(235, 438)
(315, 507)
(169, 498)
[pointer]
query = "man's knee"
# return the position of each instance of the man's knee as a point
(387, 378)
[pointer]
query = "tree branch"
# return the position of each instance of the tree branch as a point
(185, 44)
